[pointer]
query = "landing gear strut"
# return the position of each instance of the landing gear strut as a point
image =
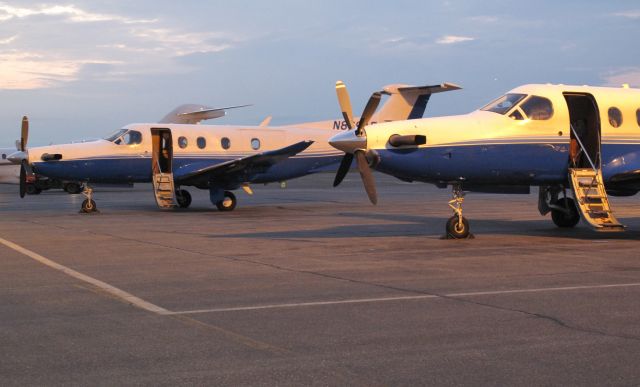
(88, 205)
(457, 225)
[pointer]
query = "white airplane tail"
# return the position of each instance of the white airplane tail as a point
(407, 102)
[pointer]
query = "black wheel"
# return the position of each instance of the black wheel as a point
(32, 189)
(89, 206)
(73, 188)
(228, 203)
(564, 219)
(457, 230)
(183, 197)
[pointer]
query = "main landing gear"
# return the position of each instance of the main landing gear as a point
(88, 205)
(228, 203)
(457, 225)
(223, 200)
(183, 197)
(564, 211)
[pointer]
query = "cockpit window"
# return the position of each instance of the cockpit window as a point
(115, 135)
(132, 137)
(125, 137)
(503, 104)
(537, 108)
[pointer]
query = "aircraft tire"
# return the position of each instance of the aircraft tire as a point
(89, 206)
(562, 219)
(183, 197)
(228, 203)
(73, 188)
(32, 189)
(454, 230)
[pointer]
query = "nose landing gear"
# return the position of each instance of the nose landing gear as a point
(88, 205)
(457, 226)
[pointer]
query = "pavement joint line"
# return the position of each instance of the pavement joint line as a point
(112, 290)
(401, 298)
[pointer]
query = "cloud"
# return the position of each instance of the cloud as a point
(70, 12)
(83, 49)
(632, 14)
(629, 75)
(32, 70)
(8, 40)
(453, 39)
(483, 19)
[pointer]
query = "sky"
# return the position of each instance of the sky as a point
(81, 69)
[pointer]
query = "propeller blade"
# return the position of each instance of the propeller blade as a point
(368, 112)
(367, 176)
(345, 103)
(24, 135)
(345, 164)
(23, 179)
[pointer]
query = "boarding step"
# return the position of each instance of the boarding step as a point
(592, 200)
(164, 190)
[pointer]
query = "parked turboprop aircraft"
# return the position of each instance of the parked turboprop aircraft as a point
(218, 158)
(557, 137)
(9, 172)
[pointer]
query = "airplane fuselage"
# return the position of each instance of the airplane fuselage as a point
(194, 147)
(488, 148)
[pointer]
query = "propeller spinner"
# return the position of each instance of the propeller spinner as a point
(354, 143)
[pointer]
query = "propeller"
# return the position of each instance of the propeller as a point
(23, 179)
(24, 134)
(354, 143)
(22, 156)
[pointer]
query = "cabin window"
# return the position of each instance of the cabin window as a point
(132, 137)
(638, 116)
(202, 142)
(182, 142)
(537, 108)
(503, 104)
(615, 117)
(255, 144)
(225, 142)
(4, 156)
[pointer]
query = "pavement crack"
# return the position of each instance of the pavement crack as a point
(555, 320)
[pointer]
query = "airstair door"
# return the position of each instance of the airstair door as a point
(585, 164)
(162, 160)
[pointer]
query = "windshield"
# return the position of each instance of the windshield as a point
(503, 104)
(115, 134)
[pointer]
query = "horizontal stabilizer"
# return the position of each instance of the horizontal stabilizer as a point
(192, 114)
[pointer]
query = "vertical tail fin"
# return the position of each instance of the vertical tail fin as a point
(407, 102)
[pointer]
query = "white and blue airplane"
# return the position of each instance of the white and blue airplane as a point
(578, 139)
(9, 172)
(178, 152)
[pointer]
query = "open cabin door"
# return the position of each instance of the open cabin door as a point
(162, 160)
(585, 163)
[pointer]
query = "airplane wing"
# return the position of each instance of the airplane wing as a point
(241, 169)
(192, 114)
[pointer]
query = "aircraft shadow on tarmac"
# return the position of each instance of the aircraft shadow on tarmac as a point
(433, 227)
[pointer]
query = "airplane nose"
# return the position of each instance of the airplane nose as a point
(348, 142)
(17, 157)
